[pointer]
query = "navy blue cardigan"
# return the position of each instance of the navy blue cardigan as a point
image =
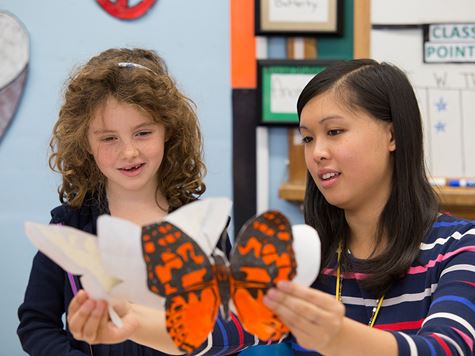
(48, 294)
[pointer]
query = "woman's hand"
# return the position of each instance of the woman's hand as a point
(88, 321)
(313, 317)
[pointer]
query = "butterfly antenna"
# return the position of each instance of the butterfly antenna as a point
(223, 238)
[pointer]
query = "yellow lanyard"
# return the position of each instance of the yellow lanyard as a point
(339, 285)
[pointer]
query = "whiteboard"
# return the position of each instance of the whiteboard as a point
(410, 12)
(446, 95)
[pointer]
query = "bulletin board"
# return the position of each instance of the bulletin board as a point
(446, 96)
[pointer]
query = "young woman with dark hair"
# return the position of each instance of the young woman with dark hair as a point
(390, 260)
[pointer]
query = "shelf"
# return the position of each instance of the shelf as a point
(457, 196)
(292, 192)
(457, 201)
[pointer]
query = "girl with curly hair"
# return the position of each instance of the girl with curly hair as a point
(127, 143)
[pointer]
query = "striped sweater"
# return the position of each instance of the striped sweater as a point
(431, 311)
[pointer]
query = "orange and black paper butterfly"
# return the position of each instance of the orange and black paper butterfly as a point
(196, 286)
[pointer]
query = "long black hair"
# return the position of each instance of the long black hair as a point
(384, 92)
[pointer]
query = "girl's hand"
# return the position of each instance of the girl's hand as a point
(88, 321)
(313, 317)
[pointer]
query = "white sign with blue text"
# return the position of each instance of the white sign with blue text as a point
(449, 43)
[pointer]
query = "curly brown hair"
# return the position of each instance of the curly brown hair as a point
(150, 89)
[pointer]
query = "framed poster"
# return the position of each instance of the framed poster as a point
(279, 84)
(301, 18)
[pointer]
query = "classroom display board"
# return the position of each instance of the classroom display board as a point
(446, 95)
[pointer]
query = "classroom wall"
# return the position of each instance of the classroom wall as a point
(63, 33)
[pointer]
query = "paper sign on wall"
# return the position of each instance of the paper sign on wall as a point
(449, 43)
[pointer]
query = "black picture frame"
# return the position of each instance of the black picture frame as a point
(298, 18)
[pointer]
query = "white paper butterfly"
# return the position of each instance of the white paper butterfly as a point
(112, 266)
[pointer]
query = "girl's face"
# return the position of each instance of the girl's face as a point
(347, 153)
(127, 146)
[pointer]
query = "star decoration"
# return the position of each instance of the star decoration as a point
(441, 105)
(440, 126)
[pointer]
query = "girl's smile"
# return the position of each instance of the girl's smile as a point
(132, 170)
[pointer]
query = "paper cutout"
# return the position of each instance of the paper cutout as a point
(126, 9)
(121, 246)
(174, 264)
(14, 59)
(196, 285)
(76, 252)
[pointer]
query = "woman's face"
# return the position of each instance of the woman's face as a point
(348, 153)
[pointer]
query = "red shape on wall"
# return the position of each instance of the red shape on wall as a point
(121, 9)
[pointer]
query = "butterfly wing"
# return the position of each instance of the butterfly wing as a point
(204, 220)
(179, 270)
(120, 246)
(76, 252)
(262, 256)
(307, 254)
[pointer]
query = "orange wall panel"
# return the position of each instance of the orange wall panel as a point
(243, 44)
